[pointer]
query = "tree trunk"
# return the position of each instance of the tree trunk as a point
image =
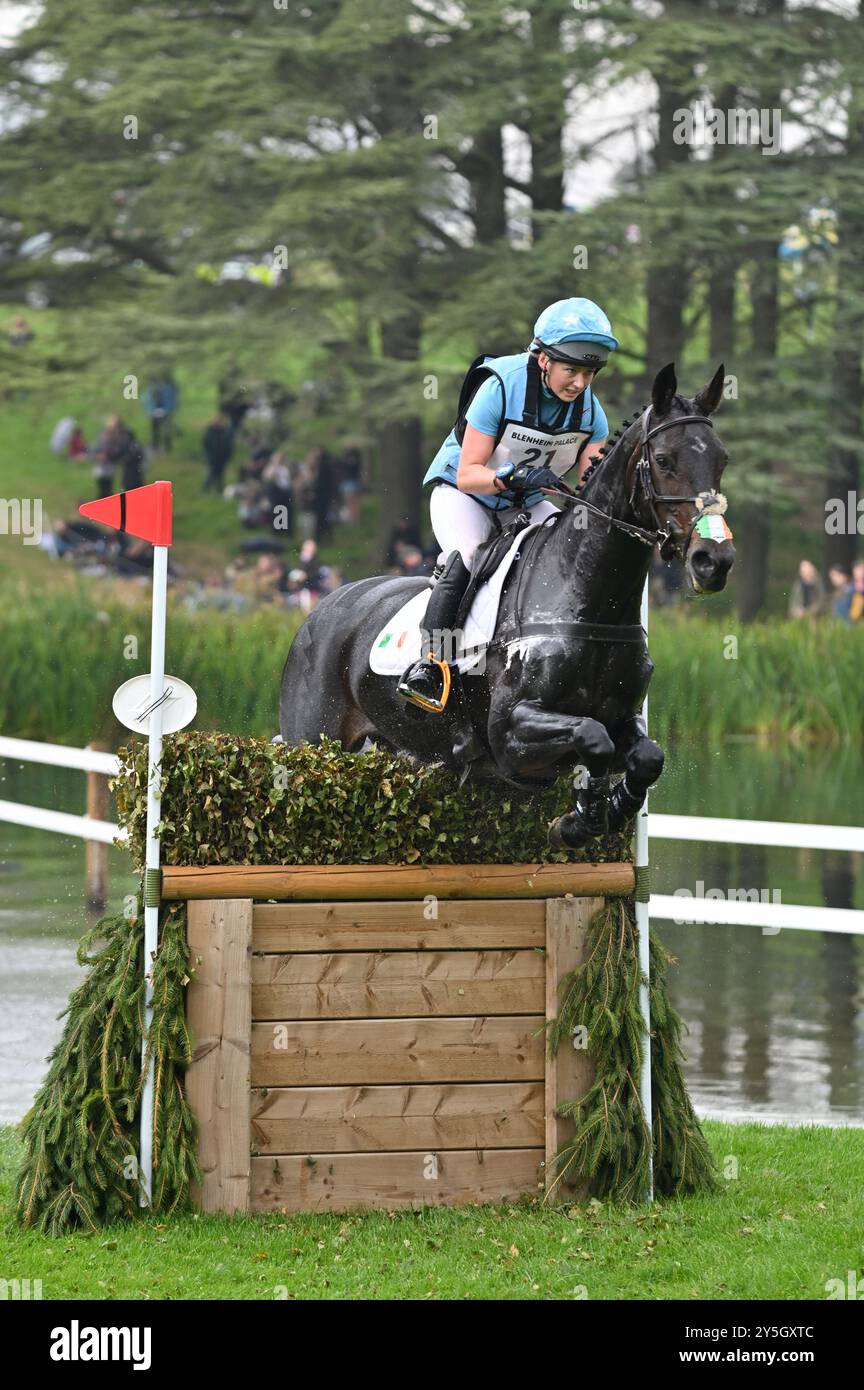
(401, 440)
(483, 166)
(667, 280)
(847, 385)
(754, 527)
(546, 125)
(721, 283)
(401, 436)
(721, 312)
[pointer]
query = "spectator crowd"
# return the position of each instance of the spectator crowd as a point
(294, 505)
(842, 597)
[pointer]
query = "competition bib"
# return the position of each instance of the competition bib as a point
(538, 449)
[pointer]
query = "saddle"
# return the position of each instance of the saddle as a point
(507, 523)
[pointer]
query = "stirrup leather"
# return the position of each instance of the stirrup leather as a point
(434, 706)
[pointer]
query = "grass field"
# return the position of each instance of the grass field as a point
(787, 1221)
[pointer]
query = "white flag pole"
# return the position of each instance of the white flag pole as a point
(643, 930)
(151, 876)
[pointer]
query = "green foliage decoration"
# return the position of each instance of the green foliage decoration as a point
(80, 1166)
(609, 1153)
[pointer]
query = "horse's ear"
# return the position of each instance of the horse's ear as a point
(711, 395)
(664, 388)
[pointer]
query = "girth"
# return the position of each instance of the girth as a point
(592, 632)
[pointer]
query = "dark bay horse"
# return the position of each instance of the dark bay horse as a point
(568, 667)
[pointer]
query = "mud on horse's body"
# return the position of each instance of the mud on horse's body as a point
(568, 668)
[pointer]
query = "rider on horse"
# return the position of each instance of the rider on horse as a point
(524, 421)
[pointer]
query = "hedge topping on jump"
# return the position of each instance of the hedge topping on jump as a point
(230, 800)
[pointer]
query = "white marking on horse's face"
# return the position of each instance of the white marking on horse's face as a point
(700, 446)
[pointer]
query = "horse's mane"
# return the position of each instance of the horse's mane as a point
(615, 440)
(611, 447)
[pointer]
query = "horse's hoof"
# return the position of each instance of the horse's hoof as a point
(568, 832)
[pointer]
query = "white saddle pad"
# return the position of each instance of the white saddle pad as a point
(398, 644)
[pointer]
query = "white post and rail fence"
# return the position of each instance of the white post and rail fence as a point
(98, 833)
(93, 828)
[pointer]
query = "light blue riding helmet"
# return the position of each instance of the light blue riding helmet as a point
(575, 330)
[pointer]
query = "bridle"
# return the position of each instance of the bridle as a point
(669, 537)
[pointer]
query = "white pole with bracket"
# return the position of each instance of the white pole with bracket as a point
(643, 928)
(151, 861)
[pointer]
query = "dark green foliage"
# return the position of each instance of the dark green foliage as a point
(81, 1134)
(234, 800)
(610, 1149)
(52, 690)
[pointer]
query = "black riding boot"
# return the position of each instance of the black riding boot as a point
(427, 683)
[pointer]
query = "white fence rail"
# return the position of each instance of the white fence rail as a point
(96, 832)
(91, 760)
(22, 750)
(771, 917)
(84, 827)
(719, 830)
(726, 911)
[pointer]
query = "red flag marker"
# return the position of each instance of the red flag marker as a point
(143, 511)
(146, 512)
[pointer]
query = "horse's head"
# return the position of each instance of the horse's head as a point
(674, 480)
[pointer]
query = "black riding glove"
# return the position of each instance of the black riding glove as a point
(525, 479)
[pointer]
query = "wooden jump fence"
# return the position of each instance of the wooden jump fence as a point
(375, 1037)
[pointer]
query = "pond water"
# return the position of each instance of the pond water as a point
(776, 1022)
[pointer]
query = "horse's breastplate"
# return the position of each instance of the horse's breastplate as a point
(539, 448)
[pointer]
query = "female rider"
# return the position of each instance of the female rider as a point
(533, 418)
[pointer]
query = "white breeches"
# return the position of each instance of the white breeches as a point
(461, 523)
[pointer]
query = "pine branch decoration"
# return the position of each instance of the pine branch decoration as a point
(610, 1149)
(81, 1134)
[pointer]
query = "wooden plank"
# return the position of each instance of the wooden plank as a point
(329, 882)
(219, 1013)
(408, 926)
(571, 1073)
(396, 1051)
(387, 1181)
(354, 1119)
(395, 984)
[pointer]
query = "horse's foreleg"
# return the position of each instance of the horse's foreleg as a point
(534, 733)
(643, 762)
